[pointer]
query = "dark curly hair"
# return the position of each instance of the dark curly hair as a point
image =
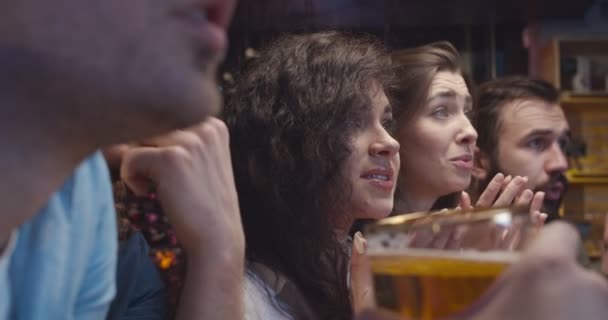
(291, 117)
(415, 69)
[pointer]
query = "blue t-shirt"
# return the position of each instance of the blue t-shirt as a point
(64, 263)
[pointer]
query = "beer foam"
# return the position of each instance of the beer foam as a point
(467, 254)
(390, 242)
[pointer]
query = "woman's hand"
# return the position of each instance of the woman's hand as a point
(361, 281)
(546, 284)
(508, 191)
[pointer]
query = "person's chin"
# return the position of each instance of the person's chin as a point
(208, 97)
(380, 211)
(199, 104)
(458, 184)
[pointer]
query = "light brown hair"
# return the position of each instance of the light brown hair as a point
(415, 69)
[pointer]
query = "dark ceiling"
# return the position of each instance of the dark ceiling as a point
(311, 14)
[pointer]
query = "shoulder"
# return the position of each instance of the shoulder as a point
(140, 290)
(66, 254)
(91, 181)
(84, 194)
(77, 209)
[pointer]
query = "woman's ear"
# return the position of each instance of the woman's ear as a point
(481, 165)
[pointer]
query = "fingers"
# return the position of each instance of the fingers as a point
(538, 218)
(177, 137)
(537, 201)
(506, 182)
(492, 190)
(114, 154)
(140, 168)
(510, 241)
(155, 159)
(361, 276)
(178, 155)
(213, 129)
(465, 202)
(524, 199)
(210, 130)
(443, 239)
(512, 190)
(192, 172)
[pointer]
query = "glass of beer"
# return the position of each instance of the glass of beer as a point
(432, 266)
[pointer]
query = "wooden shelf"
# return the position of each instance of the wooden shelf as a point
(586, 103)
(576, 178)
(586, 200)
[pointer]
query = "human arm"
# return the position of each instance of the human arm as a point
(192, 172)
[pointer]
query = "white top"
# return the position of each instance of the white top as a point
(257, 300)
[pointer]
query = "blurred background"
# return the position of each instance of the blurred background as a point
(565, 42)
(493, 35)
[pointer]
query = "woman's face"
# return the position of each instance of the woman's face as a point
(437, 144)
(373, 164)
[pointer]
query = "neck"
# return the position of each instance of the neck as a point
(343, 229)
(38, 154)
(408, 201)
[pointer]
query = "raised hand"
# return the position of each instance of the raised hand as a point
(546, 284)
(507, 191)
(362, 286)
(192, 172)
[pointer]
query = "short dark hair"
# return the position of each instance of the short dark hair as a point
(493, 95)
(291, 118)
(415, 69)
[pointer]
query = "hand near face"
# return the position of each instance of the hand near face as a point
(547, 284)
(192, 172)
(508, 191)
(362, 286)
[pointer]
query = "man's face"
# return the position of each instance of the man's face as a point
(145, 63)
(531, 139)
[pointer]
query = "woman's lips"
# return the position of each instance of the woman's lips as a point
(381, 178)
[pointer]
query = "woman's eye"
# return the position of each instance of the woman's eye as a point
(389, 125)
(441, 113)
